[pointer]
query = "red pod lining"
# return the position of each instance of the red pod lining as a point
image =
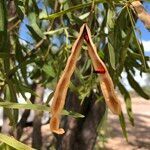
(85, 34)
(100, 71)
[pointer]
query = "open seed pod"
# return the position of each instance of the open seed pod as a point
(106, 83)
(63, 84)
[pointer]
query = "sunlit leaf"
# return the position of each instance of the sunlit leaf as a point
(37, 107)
(128, 102)
(112, 56)
(56, 31)
(24, 106)
(14, 143)
(123, 125)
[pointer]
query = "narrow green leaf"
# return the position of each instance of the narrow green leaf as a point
(112, 56)
(128, 102)
(124, 51)
(137, 42)
(2, 16)
(34, 27)
(14, 143)
(12, 90)
(110, 18)
(137, 56)
(80, 6)
(48, 69)
(24, 106)
(123, 125)
(82, 17)
(12, 114)
(37, 107)
(134, 84)
(57, 31)
(73, 114)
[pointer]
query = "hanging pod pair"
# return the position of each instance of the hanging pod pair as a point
(106, 83)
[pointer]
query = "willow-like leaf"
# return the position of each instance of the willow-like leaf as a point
(112, 56)
(134, 84)
(124, 51)
(128, 102)
(80, 6)
(14, 143)
(36, 107)
(57, 31)
(137, 42)
(123, 125)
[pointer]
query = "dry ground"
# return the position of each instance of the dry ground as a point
(139, 135)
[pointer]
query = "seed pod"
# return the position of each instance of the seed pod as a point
(106, 83)
(63, 84)
(141, 13)
(109, 94)
(98, 64)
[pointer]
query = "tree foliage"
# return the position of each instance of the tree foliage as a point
(35, 41)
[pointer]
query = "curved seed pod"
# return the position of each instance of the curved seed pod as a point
(106, 83)
(141, 13)
(63, 84)
(97, 62)
(109, 94)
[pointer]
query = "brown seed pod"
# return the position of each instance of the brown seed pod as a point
(109, 94)
(63, 83)
(141, 13)
(106, 83)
